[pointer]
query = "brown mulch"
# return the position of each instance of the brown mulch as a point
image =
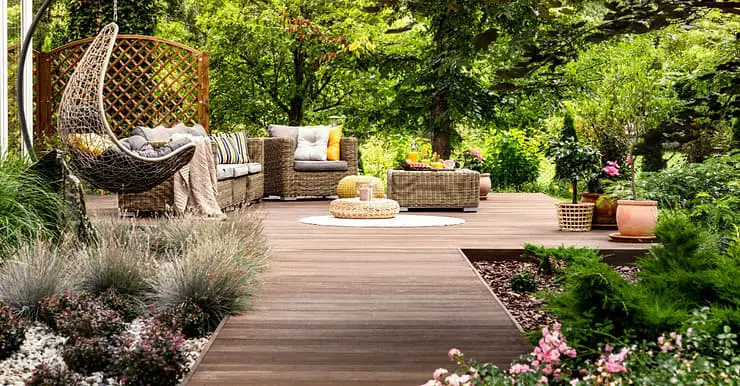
(526, 308)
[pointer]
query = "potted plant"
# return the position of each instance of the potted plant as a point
(605, 206)
(473, 160)
(635, 218)
(576, 162)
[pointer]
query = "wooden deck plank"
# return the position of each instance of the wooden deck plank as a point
(361, 306)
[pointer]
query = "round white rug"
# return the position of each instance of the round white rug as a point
(400, 221)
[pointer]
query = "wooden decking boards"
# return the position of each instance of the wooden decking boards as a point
(371, 306)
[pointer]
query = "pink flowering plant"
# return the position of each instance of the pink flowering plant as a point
(474, 160)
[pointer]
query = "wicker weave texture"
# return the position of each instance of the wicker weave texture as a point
(347, 187)
(354, 208)
(575, 217)
(434, 189)
(281, 178)
(231, 192)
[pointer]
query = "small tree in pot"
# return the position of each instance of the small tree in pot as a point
(576, 162)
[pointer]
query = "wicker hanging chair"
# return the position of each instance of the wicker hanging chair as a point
(96, 155)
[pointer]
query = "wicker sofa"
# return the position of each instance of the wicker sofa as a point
(232, 192)
(288, 179)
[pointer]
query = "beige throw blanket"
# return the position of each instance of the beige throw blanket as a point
(196, 184)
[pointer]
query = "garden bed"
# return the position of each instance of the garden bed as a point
(497, 267)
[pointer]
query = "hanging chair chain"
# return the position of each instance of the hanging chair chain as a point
(115, 11)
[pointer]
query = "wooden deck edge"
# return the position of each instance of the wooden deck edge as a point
(490, 291)
(205, 350)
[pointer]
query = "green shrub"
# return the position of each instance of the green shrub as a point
(32, 273)
(575, 162)
(512, 161)
(689, 185)
(523, 281)
(129, 308)
(12, 332)
(46, 375)
(89, 355)
(217, 270)
(686, 272)
(29, 209)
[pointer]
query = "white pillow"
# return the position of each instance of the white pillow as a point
(312, 143)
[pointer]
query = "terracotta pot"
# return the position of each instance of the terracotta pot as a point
(605, 210)
(637, 217)
(485, 185)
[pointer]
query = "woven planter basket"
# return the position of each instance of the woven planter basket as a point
(575, 217)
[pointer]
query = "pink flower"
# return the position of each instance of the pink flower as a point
(608, 348)
(544, 380)
(454, 353)
(518, 368)
(571, 353)
(629, 159)
(432, 382)
(547, 369)
(614, 367)
(611, 170)
(557, 373)
(454, 380)
(439, 373)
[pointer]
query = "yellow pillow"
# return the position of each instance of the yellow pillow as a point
(90, 143)
(335, 136)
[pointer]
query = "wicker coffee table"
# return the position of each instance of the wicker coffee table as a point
(354, 208)
(435, 189)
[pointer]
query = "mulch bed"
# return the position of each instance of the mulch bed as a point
(526, 308)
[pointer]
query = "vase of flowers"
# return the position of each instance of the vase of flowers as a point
(474, 160)
(576, 162)
(636, 218)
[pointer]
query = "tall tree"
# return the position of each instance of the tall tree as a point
(283, 61)
(87, 17)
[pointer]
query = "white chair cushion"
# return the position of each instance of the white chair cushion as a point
(312, 143)
(226, 171)
(254, 168)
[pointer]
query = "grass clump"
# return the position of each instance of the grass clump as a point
(29, 208)
(217, 269)
(34, 272)
(118, 268)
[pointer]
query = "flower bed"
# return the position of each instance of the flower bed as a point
(137, 307)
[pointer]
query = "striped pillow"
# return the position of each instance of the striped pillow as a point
(232, 148)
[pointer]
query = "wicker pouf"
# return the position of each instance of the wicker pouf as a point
(354, 208)
(347, 187)
(575, 217)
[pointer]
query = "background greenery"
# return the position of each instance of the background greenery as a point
(496, 76)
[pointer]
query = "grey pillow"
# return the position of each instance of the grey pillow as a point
(161, 133)
(312, 143)
(284, 131)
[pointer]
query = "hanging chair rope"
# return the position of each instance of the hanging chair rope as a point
(96, 155)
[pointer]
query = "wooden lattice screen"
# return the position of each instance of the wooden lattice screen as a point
(150, 81)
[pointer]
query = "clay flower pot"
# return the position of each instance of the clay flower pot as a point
(605, 210)
(485, 185)
(637, 217)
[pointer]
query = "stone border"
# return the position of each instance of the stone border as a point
(205, 350)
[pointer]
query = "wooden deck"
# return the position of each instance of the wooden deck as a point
(371, 306)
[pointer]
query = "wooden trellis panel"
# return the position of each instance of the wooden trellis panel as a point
(150, 81)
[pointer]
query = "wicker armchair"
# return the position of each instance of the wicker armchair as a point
(281, 178)
(232, 192)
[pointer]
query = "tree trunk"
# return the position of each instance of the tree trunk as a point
(296, 113)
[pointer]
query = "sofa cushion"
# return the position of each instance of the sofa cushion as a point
(284, 131)
(312, 143)
(226, 171)
(232, 148)
(255, 168)
(335, 137)
(321, 166)
(162, 133)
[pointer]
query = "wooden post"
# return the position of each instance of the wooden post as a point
(4, 97)
(203, 101)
